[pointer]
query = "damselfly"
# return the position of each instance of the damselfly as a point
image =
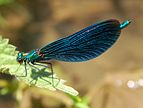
(78, 47)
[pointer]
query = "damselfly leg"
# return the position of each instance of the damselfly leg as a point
(48, 65)
(25, 67)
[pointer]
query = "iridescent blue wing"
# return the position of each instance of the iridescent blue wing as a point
(85, 44)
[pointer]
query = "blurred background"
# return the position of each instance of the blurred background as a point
(113, 79)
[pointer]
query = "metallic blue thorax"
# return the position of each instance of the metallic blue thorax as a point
(32, 56)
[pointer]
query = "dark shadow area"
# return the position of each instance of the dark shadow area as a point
(40, 74)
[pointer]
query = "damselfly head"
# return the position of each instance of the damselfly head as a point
(20, 57)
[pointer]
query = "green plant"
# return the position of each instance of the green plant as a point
(42, 78)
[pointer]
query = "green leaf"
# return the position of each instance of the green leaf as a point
(41, 78)
(79, 102)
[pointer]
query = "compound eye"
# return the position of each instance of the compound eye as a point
(20, 57)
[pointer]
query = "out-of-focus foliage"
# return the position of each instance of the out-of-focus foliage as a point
(8, 87)
(80, 102)
(6, 2)
(2, 21)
